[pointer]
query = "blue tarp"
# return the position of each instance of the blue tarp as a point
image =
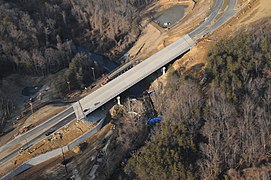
(154, 120)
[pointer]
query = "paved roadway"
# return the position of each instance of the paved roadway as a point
(133, 76)
(230, 11)
(218, 4)
(121, 83)
(29, 137)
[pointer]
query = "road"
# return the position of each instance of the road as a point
(133, 76)
(226, 16)
(151, 64)
(36, 134)
(119, 84)
(199, 30)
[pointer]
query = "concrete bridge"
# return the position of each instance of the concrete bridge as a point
(126, 80)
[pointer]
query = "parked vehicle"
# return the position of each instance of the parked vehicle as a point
(49, 132)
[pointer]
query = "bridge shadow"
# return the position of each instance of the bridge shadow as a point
(141, 87)
(137, 91)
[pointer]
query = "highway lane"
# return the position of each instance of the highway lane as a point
(121, 83)
(41, 129)
(208, 20)
(201, 29)
(38, 131)
(133, 76)
(230, 11)
(37, 138)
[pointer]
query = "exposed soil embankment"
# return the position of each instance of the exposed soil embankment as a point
(39, 38)
(129, 127)
(154, 38)
(107, 148)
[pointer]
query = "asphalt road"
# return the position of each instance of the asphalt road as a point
(36, 134)
(121, 83)
(133, 76)
(218, 4)
(230, 11)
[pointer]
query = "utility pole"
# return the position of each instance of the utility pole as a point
(63, 155)
(118, 99)
(69, 85)
(31, 105)
(93, 73)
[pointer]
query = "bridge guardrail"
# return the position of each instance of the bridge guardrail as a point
(51, 154)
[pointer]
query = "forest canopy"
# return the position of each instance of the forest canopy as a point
(42, 37)
(222, 131)
(39, 37)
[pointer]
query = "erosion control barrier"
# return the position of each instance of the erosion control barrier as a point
(82, 138)
(52, 154)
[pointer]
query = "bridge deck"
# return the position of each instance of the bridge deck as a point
(132, 76)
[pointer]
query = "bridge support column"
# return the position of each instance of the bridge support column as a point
(118, 99)
(164, 70)
(78, 110)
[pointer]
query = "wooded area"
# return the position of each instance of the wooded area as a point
(39, 38)
(220, 132)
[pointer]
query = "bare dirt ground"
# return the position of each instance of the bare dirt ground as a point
(55, 140)
(11, 88)
(146, 41)
(35, 119)
(43, 114)
(257, 10)
(154, 38)
(254, 11)
(82, 161)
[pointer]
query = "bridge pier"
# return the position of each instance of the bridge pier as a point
(79, 112)
(164, 70)
(116, 86)
(118, 100)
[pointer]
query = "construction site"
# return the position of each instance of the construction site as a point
(98, 153)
